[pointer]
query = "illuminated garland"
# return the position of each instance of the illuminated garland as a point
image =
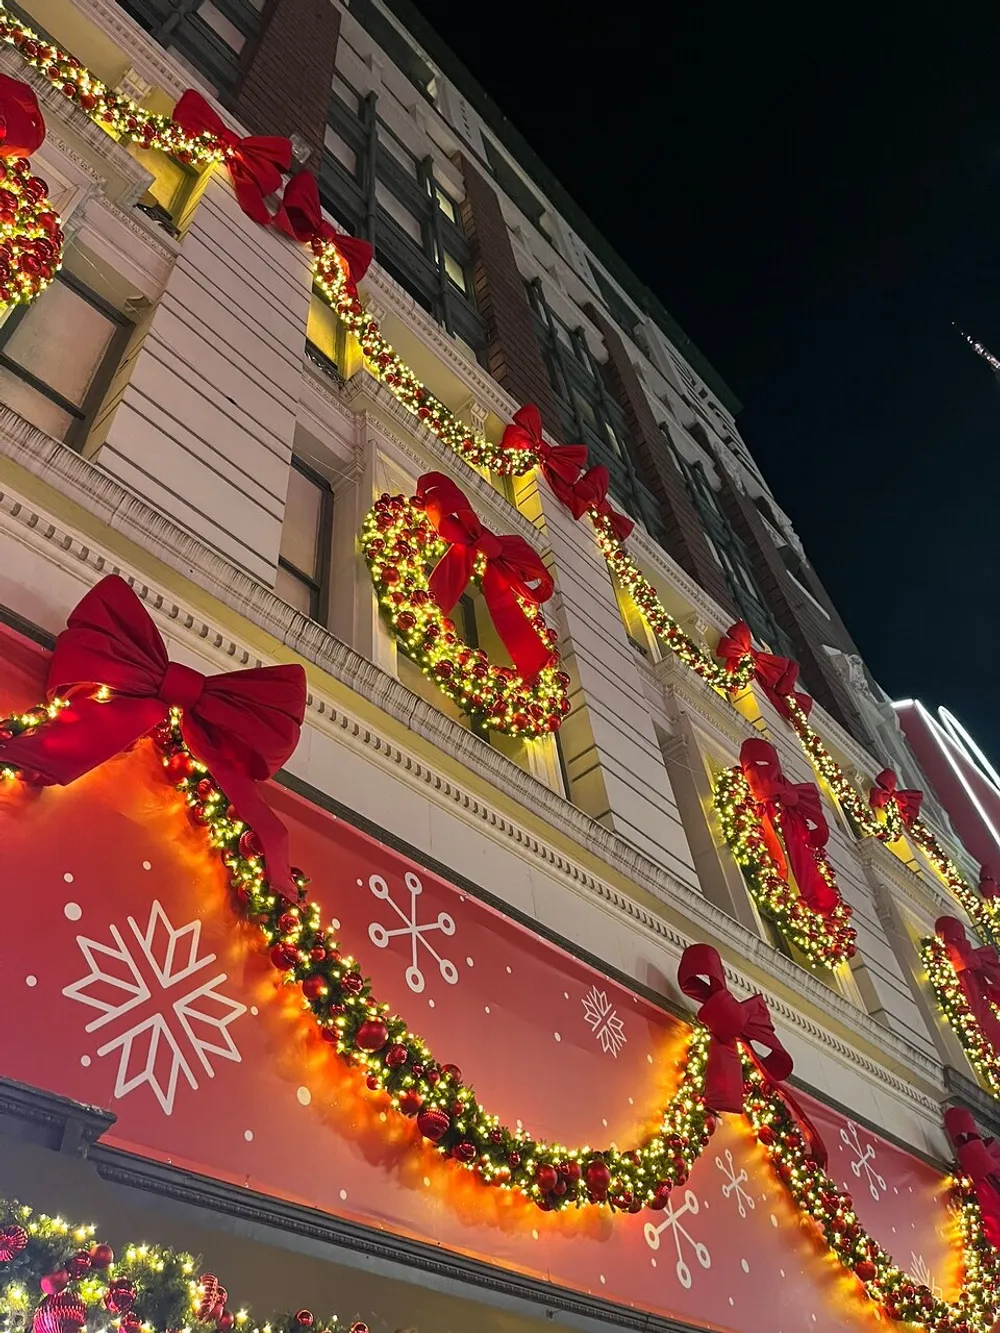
(399, 1066)
(54, 1278)
(982, 1054)
(867, 823)
(31, 239)
(836, 1223)
(827, 940)
(399, 546)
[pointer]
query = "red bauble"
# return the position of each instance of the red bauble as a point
(353, 983)
(130, 1322)
(120, 1296)
(212, 1296)
(305, 1318)
(464, 1151)
(410, 1102)
(358, 1327)
(514, 1158)
(452, 1072)
(53, 1283)
(766, 1135)
(225, 1321)
(571, 1171)
(205, 788)
(314, 987)
(546, 1178)
(12, 1241)
(79, 1264)
(249, 845)
(372, 1035)
(287, 922)
(597, 1176)
(284, 957)
(372, 1083)
(433, 1124)
(661, 1195)
(396, 1055)
(61, 1313)
(317, 953)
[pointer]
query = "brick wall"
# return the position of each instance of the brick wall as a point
(287, 72)
(514, 357)
(800, 618)
(684, 536)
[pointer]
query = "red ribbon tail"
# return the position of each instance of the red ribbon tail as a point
(560, 487)
(82, 736)
(724, 1077)
(773, 844)
(527, 650)
(450, 577)
(249, 196)
(812, 1136)
(245, 794)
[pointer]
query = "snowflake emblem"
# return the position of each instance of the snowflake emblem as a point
(380, 935)
(735, 1183)
(183, 1031)
(922, 1274)
(672, 1223)
(864, 1159)
(603, 1020)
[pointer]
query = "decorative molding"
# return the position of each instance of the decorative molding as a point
(76, 477)
(147, 58)
(684, 686)
(922, 891)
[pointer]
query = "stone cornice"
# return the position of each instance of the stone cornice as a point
(78, 479)
(698, 696)
(922, 891)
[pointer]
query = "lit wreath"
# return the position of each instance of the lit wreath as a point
(821, 928)
(966, 980)
(405, 553)
(31, 238)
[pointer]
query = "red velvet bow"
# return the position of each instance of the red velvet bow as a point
(590, 492)
(255, 164)
(887, 789)
(988, 887)
(701, 977)
(22, 129)
(978, 971)
(798, 809)
(513, 570)
(300, 216)
(979, 1159)
(242, 725)
(777, 676)
(561, 464)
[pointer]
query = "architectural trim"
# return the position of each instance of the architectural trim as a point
(124, 512)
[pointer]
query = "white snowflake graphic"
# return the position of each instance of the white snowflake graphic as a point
(604, 1021)
(157, 1048)
(735, 1183)
(922, 1274)
(380, 935)
(864, 1159)
(672, 1223)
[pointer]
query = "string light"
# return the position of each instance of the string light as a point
(984, 352)
(983, 1056)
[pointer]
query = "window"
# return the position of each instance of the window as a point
(621, 312)
(512, 184)
(730, 552)
(57, 358)
(375, 186)
(208, 35)
(589, 411)
(395, 45)
(304, 562)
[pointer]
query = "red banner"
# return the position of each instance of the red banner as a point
(128, 983)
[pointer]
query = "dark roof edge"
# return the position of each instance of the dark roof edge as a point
(410, 17)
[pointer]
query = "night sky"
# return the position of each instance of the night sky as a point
(814, 194)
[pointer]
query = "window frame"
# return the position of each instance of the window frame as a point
(319, 588)
(85, 413)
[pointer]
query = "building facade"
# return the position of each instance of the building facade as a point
(558, 696)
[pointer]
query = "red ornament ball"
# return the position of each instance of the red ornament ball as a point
(13, 1240)
(546, 1178)
(314, 987)
(61, 1313)
(120, 1296)
(79, 1264)
(225, 1321)
(372, 1035)
(353, 983)
(410, 1102)
(453, 1072)
(305, 1318)
(433, 1124)
(464, 1151)
(55, 1282)
(865, 1270)
(661, 1195)
(249, 844)
(396, 1055)
(284, 957)
(597, 1176)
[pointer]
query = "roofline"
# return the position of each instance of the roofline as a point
(437, 49)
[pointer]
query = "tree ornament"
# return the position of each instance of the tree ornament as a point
(13, 1240)
(410, 1102)
(79, 1264)
(396, 1055)
(314, 987)
(597, 1177)
(464, 1151)
(372, 1035)
(546, 1178)
(120, 1295)
(53, 1283)
(305, 1318)
(63, 1312)
(433, 1124)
